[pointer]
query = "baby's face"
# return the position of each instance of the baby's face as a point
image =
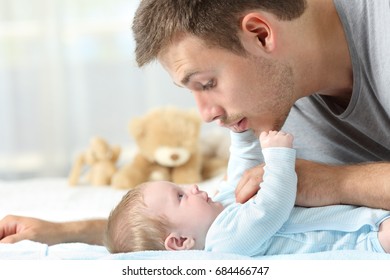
(190, 210)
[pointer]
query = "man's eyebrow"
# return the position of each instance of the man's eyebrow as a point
(187, 77)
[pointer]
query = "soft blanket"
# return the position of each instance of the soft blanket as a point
(53, 199)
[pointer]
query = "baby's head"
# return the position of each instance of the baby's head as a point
(161, 215)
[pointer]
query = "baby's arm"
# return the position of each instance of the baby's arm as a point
(245, 153)
(252, 224)
(276, 197)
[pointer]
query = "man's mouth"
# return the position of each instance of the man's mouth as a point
(238, 126)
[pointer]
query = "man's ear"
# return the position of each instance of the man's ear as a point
(175, 242)
(257, 29)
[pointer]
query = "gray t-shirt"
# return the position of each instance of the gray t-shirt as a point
(327, 133)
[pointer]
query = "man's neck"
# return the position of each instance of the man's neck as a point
(324, 52)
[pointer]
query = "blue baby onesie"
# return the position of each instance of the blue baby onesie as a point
(269, 224)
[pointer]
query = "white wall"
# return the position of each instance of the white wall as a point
(67, 73)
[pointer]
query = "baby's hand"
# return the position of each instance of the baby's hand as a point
(276, 139)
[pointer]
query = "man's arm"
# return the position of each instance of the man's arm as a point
(320, 184)
(17, 228)
(360, 184)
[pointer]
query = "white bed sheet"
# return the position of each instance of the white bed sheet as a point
(52, 199)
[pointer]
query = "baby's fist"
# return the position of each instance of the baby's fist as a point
(275, 139)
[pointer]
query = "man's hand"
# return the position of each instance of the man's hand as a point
(310, 191)
(249, 184)
(321, 184)
(17, 228)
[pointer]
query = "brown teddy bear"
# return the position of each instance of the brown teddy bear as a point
(168, 145)
(101, 159)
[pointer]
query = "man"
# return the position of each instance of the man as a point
(317, 68)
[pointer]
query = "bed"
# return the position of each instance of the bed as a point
(53, 199)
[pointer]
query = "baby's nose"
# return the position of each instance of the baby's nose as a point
(195, 189)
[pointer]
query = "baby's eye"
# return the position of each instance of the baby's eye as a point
(180, 196)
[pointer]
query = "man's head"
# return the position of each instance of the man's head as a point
(161, 215)
(158, 23)
(231, 55)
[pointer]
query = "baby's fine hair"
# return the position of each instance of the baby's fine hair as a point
(158, 23)
(131, 228)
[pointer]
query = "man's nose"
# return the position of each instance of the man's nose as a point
(208, 111)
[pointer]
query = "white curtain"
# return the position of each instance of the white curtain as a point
(67, 73)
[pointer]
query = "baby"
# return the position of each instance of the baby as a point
(166, 216)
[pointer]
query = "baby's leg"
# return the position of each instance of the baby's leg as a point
(384, 235)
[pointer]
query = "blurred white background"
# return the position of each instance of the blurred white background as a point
(67, 73)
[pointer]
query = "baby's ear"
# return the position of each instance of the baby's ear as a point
(175, 242)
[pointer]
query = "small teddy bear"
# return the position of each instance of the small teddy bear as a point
(101, 159)
(167, 139)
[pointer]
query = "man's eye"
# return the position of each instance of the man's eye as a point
(210, 84)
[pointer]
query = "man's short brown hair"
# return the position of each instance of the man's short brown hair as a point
(157, 22)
